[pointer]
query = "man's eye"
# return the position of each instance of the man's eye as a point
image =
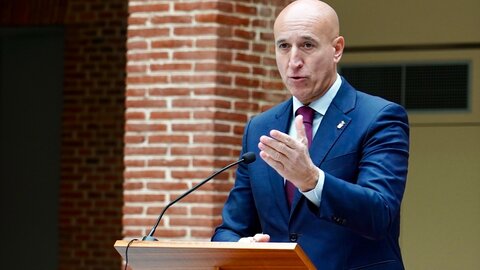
(283, 46)
(308, 45)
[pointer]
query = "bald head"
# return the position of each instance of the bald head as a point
(313, 11)
(308, 48)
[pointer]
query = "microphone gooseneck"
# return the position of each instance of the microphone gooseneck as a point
(247, 158)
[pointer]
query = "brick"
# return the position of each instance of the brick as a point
(203, 162)
(134, 163)
(197, 174)
(206, 210)
(170, 115)
(145, 127)
(170, 91)
(177, 162)
(204, 5)
(222, 19)
(134, 115)
(195, 222)
(203, 55)
(244, 34)
(259, 71)
(135, 92)
(167, 186)
(202, 103)
(155, 79)
(148, 8)
(137, 198)
(134, 151)
(245, 106)
(202, 233)
(173, 19)
(137, 20)
(231, 116)
(171, 233)
(188, 79)
(248, 58)
(248, 82)
(218, 139)
(222, 67)
(137, 45)
(146, 103)
(134, 139)
(171, 66)
(132, 210)
(155, 174)
(172, 43)
(201, 150)
(205, 127)
(168, 139)
(146, 56)
(147, 222)
(244, 9)
(148, 32)
(136, 68)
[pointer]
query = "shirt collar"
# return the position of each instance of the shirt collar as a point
(321, 105)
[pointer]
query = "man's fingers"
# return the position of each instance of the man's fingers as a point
(300, 127)
(259, 237)
(275, 149)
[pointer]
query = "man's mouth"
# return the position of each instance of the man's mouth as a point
(297, 78)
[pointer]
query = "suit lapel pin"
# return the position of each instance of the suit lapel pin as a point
(341, 124)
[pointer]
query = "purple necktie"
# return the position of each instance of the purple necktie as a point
(308, 114)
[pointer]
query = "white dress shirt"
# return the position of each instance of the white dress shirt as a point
(320, 106)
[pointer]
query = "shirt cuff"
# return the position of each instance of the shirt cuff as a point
(315, 195)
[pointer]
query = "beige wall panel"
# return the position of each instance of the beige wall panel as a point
(441, 211)
(471, 115)
(408, 22)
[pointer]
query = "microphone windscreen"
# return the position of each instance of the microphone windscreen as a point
(248, 157)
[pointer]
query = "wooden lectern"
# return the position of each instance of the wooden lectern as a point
(152, 255)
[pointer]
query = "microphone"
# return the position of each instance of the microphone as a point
(247, 158)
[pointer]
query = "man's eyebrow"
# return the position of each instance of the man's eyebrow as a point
(309, 38)
(280, 41)
(304, 38)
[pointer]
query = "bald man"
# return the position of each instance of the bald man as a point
(333, 161)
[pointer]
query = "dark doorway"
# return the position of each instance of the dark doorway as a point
(31, 81)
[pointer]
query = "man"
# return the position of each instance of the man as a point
(348, 184)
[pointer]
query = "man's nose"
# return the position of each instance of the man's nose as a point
(296, 60)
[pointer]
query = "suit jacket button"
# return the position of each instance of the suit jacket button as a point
(293, 237)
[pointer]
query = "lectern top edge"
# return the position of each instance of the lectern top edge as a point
(205, 244)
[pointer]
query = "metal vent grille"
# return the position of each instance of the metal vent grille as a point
(417, 87)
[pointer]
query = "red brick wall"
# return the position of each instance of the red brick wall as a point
(196, 71)
(91, 195)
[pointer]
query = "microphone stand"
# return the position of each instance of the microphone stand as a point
(248, 158)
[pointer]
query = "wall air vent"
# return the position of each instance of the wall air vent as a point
(440, 86)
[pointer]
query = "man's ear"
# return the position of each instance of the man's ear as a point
(338, 45)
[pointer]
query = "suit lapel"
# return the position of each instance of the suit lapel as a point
(334, 122)
(282, 123)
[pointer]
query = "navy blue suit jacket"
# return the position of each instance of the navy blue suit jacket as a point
(365, 163)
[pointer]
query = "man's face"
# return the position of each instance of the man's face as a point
(307, 53)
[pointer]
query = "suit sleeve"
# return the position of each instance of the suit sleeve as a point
(370, 204)
(239, 216)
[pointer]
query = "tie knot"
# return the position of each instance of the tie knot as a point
(307, 114)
